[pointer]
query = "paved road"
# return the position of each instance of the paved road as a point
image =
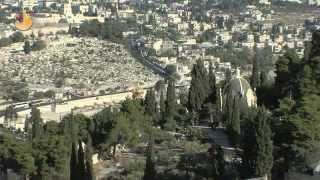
(219, 136)
(149, 62)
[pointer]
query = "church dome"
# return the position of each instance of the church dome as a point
(239, 88)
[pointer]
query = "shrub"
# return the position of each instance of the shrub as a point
(5, 42)
(27, 47)
(17, 37)
(49, 94)
(38, 45)
(63, 21)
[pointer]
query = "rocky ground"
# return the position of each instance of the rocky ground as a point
(83, 63)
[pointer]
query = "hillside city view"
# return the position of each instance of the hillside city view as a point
(159, 89)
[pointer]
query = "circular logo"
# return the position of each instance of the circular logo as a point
(23, 21)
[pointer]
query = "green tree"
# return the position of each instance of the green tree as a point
(37, 123)
(103, 124)
(27, 47)
(297, 131)
(16, 155)
(81, 161)
(120, 133)
(217, 161)
(249, 145)
(315, 45)
(162, 109)
(254, 81)
(234, 126)
(10, 114)
(17, 37)
(90, 28)
(228, 110)
(309, 77)
(89, 165)
(199, 87)
(39, 45)
(171, 104)
(228, 75)
(257, 145)
(150, 105)
(74, 163)
(51, 155)
(150, 171)
(287, 70)
(5, 42)
(304, 133)
(212, 85)
(264, 147)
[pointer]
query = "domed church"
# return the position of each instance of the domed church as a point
(239, 88)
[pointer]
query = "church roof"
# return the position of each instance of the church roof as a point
(238, 86)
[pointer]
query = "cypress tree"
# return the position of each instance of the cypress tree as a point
(171, 103)
(217, 161)
(74, 163)
(257, 145)
(37, 123)
(310, 72)
(89, 168)
(249, 146)
(171, 99)
(263, 91)
(162, 109)
(150, 104)
(81, 161)
(235, 123)
(212, 86)
(228, 110)
(27, 47)
(288, 68)
(70, 29)
(199, 87)
(228, 76)
(196, 96)
(10, 114)
(315, 45)
(263, 79)
(150, 171)
(307, 84)
(203, 77)
(264, 160)
(26, 125)
(254, 81)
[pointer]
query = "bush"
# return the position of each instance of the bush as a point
(38, 95)
(5, 42)
(27, 47)
(161, 136)
(21, 95)
(17, 37)
(102, 92)
(38, 45)
(63, 21)
(49, 94)
(90, 28)
(196, 134)
(134, 165)
(170, 125)
(59, 82)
